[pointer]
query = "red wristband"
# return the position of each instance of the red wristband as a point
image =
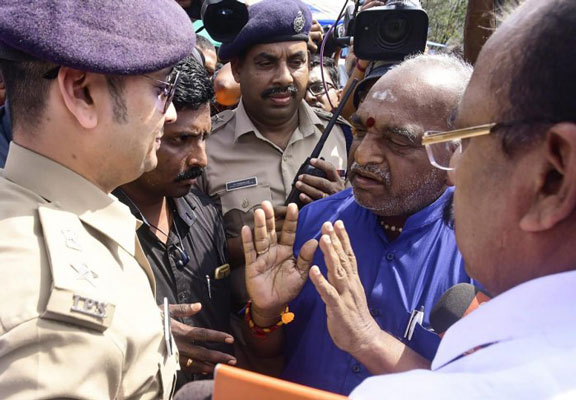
(285, 318)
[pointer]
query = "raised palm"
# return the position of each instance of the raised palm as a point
(273, 276)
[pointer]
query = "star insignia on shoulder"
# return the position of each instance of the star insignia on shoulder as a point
(85, 273)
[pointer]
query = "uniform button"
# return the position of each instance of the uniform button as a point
(285, 158)
(182, 297)
(375, 312)
(389, 256)
(245, 203)
(356, 368)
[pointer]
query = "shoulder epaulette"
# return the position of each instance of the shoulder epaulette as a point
(220, 119)
(77, 296)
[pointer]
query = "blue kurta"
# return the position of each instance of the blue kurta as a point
(406, 274)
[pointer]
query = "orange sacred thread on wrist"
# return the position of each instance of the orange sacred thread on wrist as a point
(285, 318)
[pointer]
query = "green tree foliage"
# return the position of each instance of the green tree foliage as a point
(446, 20)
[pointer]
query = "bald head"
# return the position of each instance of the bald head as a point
(526, 70)
(433, 84)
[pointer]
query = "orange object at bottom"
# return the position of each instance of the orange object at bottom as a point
(239, 384)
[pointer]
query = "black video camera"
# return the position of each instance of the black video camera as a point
(223, 19)
(386, 33)
(390, 32)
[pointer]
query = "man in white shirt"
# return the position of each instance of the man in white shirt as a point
(515, 213)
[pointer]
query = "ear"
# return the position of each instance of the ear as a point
(236, 68)
(75, 87)
(555, 199)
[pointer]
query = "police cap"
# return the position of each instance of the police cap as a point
(124, 37)
(270, 21)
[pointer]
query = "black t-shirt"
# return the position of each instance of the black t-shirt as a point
(199, 231)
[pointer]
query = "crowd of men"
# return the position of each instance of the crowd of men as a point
(145, 235)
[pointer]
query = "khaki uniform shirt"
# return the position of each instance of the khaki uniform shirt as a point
(244, 168)
(78, 317)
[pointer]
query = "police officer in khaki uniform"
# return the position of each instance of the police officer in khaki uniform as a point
(255, 151)
(90, 88)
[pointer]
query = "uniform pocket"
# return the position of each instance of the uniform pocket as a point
(238, 207)
(166, 376)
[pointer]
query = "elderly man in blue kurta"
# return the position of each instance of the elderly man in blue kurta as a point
(398, 216)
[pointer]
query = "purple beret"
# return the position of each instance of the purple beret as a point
(124, 37)
(270, 21)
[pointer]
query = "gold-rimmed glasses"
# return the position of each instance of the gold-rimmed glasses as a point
(441, 145)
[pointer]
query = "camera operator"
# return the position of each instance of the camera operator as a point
(357, 66)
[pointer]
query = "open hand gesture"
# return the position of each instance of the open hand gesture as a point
(349, 321)
(273, 276)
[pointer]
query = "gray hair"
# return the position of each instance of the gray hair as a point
(412, 3)
(460, 73)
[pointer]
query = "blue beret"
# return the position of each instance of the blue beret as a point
(270, 21)
(124, 37)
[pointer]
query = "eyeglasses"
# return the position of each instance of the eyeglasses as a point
(168, 89)
(317, 88)
(441, 145)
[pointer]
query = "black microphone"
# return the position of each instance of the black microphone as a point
(457, 302)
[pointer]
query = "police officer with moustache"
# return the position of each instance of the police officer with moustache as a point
(255, 151)
(90, 89)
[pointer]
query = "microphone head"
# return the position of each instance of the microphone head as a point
(455, 303)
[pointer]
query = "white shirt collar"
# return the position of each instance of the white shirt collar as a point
(536, 305)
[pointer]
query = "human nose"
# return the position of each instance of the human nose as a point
(170, 115)
(368, 151)
(283, 75)
(310, 98)
(197, 155)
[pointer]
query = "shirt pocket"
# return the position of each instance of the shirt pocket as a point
(166, 376)
(206, 288)
(425, 342)
(238, 207)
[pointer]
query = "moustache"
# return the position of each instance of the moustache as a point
(191, 173)
(370, 169)
(290, 89)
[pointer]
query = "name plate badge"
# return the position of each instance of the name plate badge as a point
(242, 183)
